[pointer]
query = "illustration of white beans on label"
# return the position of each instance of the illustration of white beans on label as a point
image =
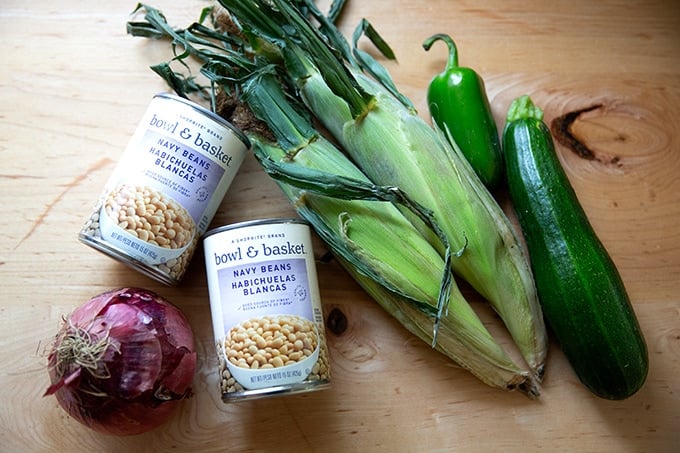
(271, 342)
(151, 216)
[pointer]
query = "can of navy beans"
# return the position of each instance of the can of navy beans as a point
(166, 188)
(266, 309)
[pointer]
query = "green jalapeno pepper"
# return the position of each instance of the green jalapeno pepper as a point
(459, 105)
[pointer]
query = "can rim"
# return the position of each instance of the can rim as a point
(248, 223)
(210, 114)
(119, 255)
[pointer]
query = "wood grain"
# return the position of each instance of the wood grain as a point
(73, 87)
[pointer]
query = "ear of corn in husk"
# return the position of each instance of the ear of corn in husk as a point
(376, 243)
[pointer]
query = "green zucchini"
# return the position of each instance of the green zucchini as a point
(582, 294)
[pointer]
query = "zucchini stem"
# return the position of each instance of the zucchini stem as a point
(524, 108)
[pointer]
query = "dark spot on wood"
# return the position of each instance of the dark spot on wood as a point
(326, 257)
(336, 321)
(561, 130)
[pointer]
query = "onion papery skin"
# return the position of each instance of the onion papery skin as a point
(138, 380)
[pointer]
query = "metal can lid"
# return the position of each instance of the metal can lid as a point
(210, 114)
(248, 223)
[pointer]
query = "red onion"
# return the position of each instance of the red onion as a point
(123, 361)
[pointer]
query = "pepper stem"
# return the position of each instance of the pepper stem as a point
(453, 51)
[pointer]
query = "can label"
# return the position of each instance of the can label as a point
(166, 188)
(266, 308)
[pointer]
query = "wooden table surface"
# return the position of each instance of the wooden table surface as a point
(73, 86)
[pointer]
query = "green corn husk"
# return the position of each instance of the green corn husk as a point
(388, 243)
(392, 145)
(377, 244)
